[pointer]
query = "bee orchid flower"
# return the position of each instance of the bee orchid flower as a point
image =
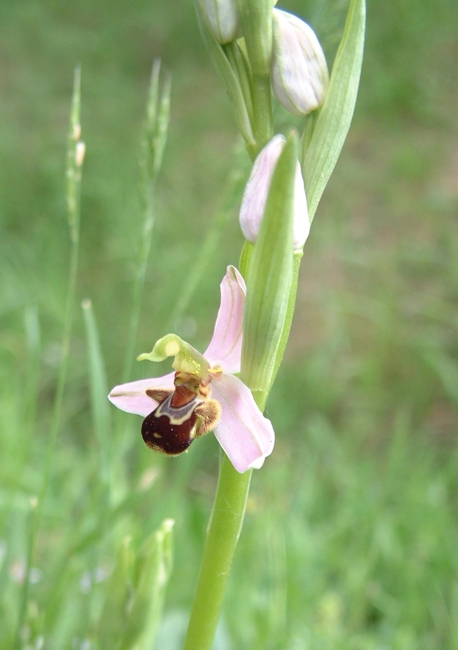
(204, 393)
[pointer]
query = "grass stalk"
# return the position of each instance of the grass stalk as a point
(75, 156)
(101, 421)
(231, 198)
(157, 120)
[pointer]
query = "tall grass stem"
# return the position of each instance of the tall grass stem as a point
(155, 136)
(100, 407)
(230, 199)
(75, 156)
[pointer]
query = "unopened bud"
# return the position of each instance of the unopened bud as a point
(299, 72)
(80, 150)
(76, 132)
(257, 189)
(223, 18)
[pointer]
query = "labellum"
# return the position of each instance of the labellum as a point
(182, 415)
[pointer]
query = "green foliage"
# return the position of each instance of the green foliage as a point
(134, 593)
(228, 77)
(349, 537)
(333, 122)
(269, 278)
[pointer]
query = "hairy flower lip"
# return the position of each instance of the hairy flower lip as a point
(243, 432)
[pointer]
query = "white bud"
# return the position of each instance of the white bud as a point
(257, 189)
(223, 17)
(80, 150)
(299, 72)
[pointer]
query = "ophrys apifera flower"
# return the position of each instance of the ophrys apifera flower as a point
(204, 393)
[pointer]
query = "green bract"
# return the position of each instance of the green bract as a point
(270, 277)
(320, 157)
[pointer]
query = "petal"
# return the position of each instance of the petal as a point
(225, 347)
(243, 432)
(132, 397)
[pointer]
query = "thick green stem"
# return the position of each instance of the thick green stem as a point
(263, 129)
(222, 536)
(269, 270)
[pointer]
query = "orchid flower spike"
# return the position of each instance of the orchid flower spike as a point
(256, 191)
(203, 394)
(299, 72)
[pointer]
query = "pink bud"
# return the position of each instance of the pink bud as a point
(299, 71)
(256, 191)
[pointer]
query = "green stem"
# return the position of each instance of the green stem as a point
(59, 397)
(269, 270)
(222, 536)
(158, 111)
(139, 283)
(230, 201)
(73, 207)
(263, 129)
(24, 597)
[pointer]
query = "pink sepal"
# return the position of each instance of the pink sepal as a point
(243, 432)
(225, 348)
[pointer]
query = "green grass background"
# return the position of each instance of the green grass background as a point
(350, 536)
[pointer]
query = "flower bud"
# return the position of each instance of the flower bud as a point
(80, 150)
(299, 71)
(256, 191)
(223, 18)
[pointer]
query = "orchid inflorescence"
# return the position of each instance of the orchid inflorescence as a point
(204, 393)
(298, 65)
(251, 45)
(258, 51)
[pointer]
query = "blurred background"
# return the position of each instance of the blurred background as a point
(349, 539)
